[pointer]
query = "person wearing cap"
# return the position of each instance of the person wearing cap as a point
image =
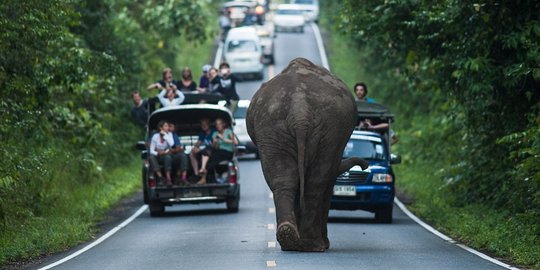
(204, 81)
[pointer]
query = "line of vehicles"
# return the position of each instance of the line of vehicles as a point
(250, 43)
(371, 190)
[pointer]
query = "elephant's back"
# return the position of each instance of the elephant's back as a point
(303, 90)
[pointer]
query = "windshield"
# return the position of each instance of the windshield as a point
(242, 46)
(240, 112)
(366, 149)
(289, 12)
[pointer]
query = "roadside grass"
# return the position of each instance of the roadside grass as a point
(72, 218)
(506, 235)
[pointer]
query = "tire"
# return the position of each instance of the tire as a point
(384, 215)
(271, 61)
(301, 29)
(233, 203)
(259, 75)
(145, 185)
(156, 209)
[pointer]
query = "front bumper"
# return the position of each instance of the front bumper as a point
(368, 198)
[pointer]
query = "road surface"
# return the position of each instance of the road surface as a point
(207, 237)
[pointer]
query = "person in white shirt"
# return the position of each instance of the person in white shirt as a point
(160, 152)
(173, 97)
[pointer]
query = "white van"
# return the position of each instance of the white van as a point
(242, 50)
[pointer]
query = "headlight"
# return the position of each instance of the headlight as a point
(381, 178)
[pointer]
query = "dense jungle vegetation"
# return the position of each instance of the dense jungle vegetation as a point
(67, 70)
(463, 79)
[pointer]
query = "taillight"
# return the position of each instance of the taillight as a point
(151, 182)
(232, 173)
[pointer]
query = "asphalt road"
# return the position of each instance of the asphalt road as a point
(207, 237)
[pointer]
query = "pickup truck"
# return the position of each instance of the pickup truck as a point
(372, 189)
(223, 184)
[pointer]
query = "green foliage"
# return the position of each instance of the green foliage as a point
(462, 79)
(67, 70)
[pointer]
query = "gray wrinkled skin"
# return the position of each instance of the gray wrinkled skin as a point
(300, 121)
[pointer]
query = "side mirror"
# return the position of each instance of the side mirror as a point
(395, 159)
(141, 145)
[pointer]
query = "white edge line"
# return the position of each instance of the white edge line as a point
(320, 45)
(448, 239)
(219, 53)
(99, 240)
(324, 60)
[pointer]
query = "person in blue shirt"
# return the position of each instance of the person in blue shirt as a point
(203, 144)
(179, 158)
(361, 91)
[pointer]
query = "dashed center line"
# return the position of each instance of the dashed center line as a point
(271, 226)
(272, 244)
(271, 264)
(271, 210)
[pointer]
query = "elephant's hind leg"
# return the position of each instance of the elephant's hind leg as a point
(281, 174)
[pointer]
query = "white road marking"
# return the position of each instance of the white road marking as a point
(271, 264)
(324, 61)
(320, 45)
(271, 226)
(99, 240)
(271, 210)
(271, 195)
(448, 239)
(271, 72)
(272, 244)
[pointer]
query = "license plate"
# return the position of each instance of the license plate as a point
(192, 193)
(345, 190)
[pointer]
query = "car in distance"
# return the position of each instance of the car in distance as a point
(243, 51)
(289, 17)
(310, 8)
(267, 43)
(240, 129)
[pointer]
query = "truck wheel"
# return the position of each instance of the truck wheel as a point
(156, 209)
(232, 203)
(144, 184)
(384, 215)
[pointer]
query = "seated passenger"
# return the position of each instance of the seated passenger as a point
(186, 84)
(223, 141)
(204, 143)
(179, 158)
(160, 152)
(173, 97)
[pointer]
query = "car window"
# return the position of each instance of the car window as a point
(367, 149)
(304, 2)
(242, 46)
(289, 12)
(240, 112)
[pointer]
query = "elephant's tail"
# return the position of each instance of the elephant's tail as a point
(301, 137)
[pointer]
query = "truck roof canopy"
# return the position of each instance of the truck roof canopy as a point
(368, 110)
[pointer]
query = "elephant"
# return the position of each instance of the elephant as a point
(300, 122)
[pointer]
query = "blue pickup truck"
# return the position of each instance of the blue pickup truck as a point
(371, 189)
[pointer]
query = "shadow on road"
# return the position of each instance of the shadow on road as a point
(358, 220)
(197, 212)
